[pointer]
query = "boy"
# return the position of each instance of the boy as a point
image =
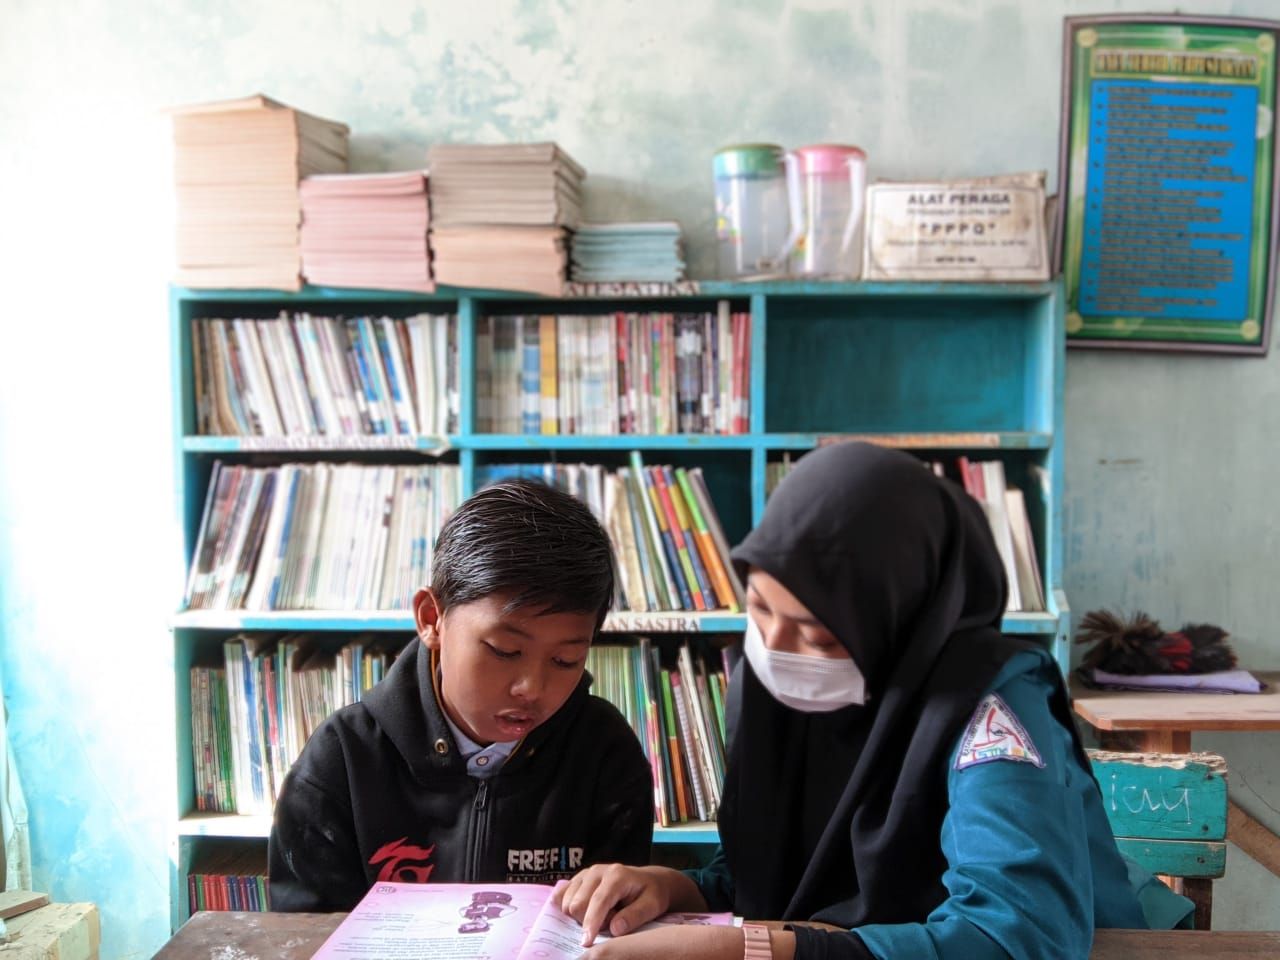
(481, 756)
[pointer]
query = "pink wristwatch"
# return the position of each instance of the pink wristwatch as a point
(756, 945)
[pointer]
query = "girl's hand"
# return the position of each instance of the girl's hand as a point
(672, 943)
(616, 897)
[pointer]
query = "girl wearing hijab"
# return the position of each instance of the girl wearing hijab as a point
(899, 770)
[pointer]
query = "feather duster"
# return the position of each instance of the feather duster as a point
(1140, 645)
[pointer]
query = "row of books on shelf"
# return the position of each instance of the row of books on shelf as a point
(233, 877)
(670, 548)
(319, 536)
(305, 375)
(251, 714)
(621, 373)
(1005, 508)
(677, 710)
(344, 536)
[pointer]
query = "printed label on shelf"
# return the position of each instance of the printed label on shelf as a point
(650, 623)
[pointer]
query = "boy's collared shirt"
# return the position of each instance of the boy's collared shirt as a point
(482, 762)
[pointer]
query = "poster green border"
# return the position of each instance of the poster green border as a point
(1083, 35)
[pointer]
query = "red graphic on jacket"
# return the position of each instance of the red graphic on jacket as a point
(405, 863)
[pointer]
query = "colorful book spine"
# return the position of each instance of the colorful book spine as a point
(664, 501)
(664, 535)
(548, 375)
(684, 522)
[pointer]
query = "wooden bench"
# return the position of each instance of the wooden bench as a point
(1169, 813)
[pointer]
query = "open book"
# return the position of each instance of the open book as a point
(478, 921)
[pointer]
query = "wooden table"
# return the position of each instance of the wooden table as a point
(296, 936)
(1157, 722)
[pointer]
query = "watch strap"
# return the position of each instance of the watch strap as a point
(756, 944)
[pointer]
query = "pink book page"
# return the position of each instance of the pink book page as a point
(443, 921)
(556, 936)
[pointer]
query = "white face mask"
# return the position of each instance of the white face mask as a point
(805, 683)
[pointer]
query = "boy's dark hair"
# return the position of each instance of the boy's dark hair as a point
(543, 546)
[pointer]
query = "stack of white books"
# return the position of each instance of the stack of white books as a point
(237, 164)
(366, 230)
(500, 213)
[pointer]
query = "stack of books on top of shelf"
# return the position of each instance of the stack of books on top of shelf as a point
(366, 230)
(230, 877)
(499, 214)
(309, 376)
(237, 164)
(669, 546)
(252, 714)
(623, 252)
(319, 536)
(621, 373)
(677, 711)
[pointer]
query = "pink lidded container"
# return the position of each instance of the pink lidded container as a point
(833, 181)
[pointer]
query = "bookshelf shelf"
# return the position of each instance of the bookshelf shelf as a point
(243, 826)
(696, 832)
(238, 826)
(995, 440)
(939, 369)
(587, 442)
(336, 445)
(402, 620)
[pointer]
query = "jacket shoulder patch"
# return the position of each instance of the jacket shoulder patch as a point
(995, 733)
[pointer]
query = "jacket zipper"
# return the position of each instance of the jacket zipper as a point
(479, 829)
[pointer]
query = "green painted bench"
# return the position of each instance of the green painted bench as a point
(1169, 813)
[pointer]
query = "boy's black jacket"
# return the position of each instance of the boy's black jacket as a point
(380, 792)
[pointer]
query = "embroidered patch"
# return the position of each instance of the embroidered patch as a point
(995, 733)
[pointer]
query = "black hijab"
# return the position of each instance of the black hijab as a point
(837, 816)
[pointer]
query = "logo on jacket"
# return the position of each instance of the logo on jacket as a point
(540, 864)
(403, 862)
(995, 733)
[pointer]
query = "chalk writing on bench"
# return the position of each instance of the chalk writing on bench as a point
(1138, 799)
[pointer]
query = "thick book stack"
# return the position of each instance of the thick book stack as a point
(624, 252)
(499, 214)
(622, 373)
(366, 230)
(1006, 510)
(670, 549)
(252, 715)
(230, 877)
(304, 375)
(237, 164)
(319, 536)
(677, 712)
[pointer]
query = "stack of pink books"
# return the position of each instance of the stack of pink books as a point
(366, 230)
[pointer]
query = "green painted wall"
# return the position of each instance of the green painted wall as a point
(1171, 460)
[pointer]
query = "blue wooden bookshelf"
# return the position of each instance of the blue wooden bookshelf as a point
(940, 369)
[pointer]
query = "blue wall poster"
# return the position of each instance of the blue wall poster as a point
(1167, 236)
